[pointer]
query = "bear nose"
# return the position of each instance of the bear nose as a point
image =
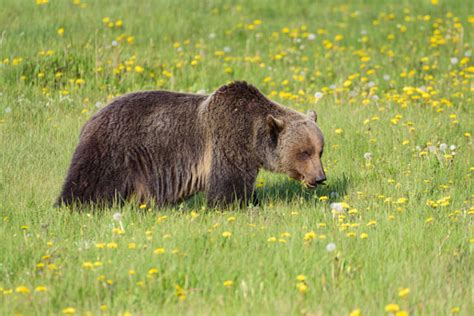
(320, 180)
(317, 181)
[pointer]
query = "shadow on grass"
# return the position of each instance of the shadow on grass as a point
(291, 191)
(277, 191)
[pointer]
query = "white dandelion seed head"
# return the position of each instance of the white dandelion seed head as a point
(443, 147)
(454, 60)
(330, 247)
(114, 43)
(418, 148)
(311, 37)
(452, 147)
(98, 104)
(431, 149)
(375, 97)
(371, 84)
(117, 217)
(8, 110)
(363, 32)
(333, 86)
(337, 207)
(318, 95)
(468, 53)
(227, 49)
(212, 35)
(368, 156)
(386, 77)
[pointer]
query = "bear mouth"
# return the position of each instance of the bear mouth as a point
(309, 185)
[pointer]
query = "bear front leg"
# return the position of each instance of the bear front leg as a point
(225, 189)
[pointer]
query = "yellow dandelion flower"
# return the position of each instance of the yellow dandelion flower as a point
(69, 311)
(404, 292)
(61, 31)
(88, 265)
(226, 234)
(392, 308)
(228, 283)
(301, 278)
(22, 290)
(309, 236)
(41, 288)
(355, 312)
(302, 287)
(272, 239)
(159, 251)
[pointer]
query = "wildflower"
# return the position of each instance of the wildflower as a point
(69, 311)
(61, 31)
(180, 292)
(301, 278)
(152, 271)
(159, 251)
(364, 236)
(22, 290)
(272, 239)
(226, 234)
(455, 310)
(41, 289)
(330, 247)
(355, 312)
(368, 156)
(309, 236)
(392, 308)
(228, 283)
(302, 287)
(87, 265)
(401, 313)
(338, 131)
(403, 292)
(112, 245)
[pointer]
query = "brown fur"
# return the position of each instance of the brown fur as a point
(165, 146)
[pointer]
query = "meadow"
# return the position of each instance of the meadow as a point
(391, 232)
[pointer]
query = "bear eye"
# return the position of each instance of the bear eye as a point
(305, 154)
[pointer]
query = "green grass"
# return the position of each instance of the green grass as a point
(389, 84)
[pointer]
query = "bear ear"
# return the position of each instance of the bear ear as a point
(275, 125)
(313, 116)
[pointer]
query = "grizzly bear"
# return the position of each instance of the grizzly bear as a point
(161, 147)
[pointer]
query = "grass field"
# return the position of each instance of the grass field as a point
(390, 233)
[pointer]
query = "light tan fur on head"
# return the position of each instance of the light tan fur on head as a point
(300, 147)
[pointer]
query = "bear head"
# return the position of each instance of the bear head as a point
(297, 148)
